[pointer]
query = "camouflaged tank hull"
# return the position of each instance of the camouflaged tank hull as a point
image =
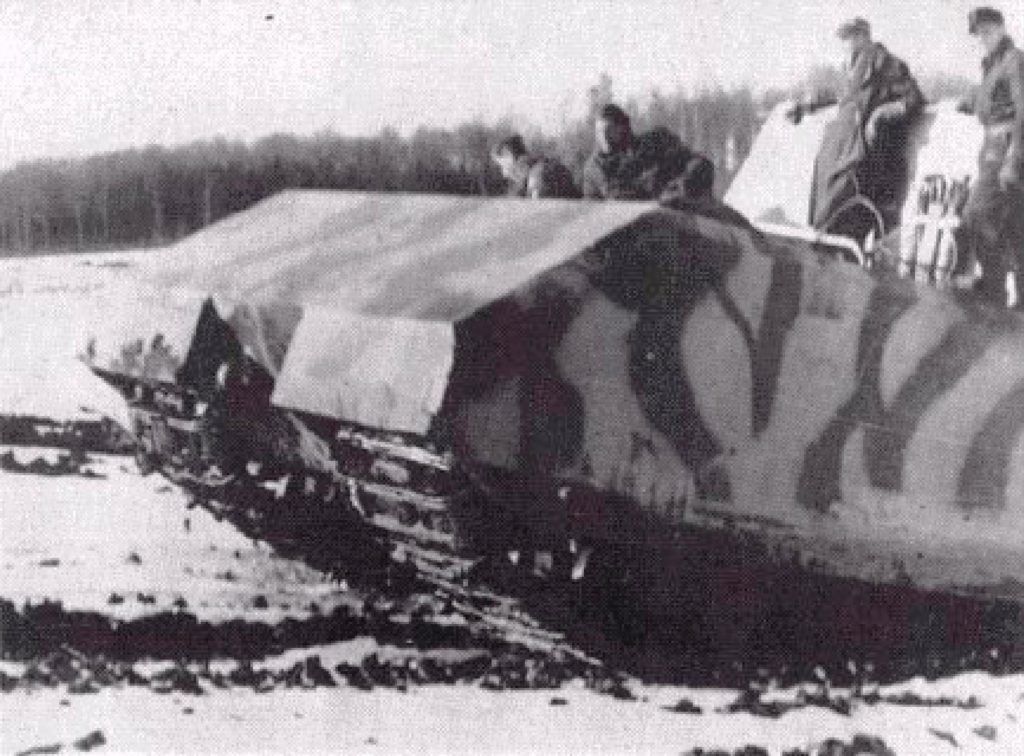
(603, 364)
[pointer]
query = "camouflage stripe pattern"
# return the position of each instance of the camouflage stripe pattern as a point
(712, 376)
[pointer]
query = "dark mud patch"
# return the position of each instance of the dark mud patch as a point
(192, 658)
(36, 750)
(66, 464)
(860, 745)
(913, 699)
(37, 629)
(843, 702)
(87, 650)
(102, 436)
(79, 674)
(88, 742)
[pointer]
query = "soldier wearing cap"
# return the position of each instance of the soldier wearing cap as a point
(995, 211)
(629, 166)
(529, 175)
(863, 148)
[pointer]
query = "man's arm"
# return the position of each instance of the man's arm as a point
(699, 177)
(1010, 173)
(898, 86)
(666, 159)
(899, 95)
(809, 103)
(597, 185)
(909, 91)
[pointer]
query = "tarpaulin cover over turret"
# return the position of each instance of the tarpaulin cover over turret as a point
(361, 292)
(710, 375)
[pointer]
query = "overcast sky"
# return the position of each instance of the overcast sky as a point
(81, 77)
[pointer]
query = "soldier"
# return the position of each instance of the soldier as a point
(642, 166)
(531, 176)
(995, 211)
(863, 148)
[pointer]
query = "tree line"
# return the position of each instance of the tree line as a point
(156, 195)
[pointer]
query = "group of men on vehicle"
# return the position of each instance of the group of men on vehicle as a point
(863, 153)
(624, 165)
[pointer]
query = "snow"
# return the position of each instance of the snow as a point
(467, 719)
(47, 306)
(126, 534)
(92, 525)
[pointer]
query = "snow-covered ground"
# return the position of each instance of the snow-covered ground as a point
(80, 540)
(47, 307)
(125, 546)
(124, 538)
(466, 719)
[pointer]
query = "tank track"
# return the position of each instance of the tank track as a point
(354, 503)
(394, 504)
(405, 491)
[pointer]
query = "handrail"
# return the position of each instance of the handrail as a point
(858, 200)
(813, 236)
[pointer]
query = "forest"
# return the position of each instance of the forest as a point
(158, 194)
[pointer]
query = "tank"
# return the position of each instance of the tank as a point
(469, 375)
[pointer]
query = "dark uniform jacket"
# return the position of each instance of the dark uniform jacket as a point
(995, 212)
(876, 82)
(537, 177)
(642, 171)
(1000, 99)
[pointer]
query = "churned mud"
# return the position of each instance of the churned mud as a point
(122, 592)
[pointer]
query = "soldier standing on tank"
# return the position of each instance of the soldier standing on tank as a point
(995, 212)
(863, 149)
(630, 166)
(530, 175)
